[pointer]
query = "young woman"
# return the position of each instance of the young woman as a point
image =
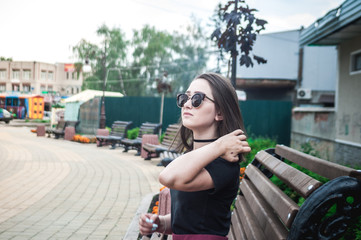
(204, 181)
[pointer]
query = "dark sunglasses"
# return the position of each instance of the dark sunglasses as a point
(196, 99)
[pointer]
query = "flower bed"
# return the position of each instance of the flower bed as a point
(83, 139)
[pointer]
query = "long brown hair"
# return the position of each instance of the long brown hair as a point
(226, 102)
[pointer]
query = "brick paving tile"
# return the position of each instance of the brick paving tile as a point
(56, 189)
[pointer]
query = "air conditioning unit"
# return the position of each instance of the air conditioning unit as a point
(304, 93)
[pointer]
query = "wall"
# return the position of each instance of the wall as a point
(315, 126)
(348, 125)
(319, 68)
(280, 49)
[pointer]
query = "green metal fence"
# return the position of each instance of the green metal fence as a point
(261, 118)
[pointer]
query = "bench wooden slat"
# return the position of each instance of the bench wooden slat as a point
(285, 208)
(118, 132)
(317, 165)
(169, 142)
(269, 221)
(294, 178)
(252, 229)
(236, 231)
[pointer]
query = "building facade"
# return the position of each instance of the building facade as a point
(60, 79)
(290, 70)
(335, 132)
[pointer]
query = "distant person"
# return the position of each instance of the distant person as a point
(204, 181)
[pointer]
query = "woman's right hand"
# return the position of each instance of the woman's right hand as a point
(148, 223)
(233, 144)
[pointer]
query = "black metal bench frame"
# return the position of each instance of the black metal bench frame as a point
(264, 211)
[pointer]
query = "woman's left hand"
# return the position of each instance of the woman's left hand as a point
(233, 144)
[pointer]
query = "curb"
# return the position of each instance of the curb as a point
(133, 229)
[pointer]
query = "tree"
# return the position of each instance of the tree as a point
(192, 51)
(181, 55)
(241, 27)
(110, 54)
(152, 50)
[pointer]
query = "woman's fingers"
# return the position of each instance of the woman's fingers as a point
(147, 223)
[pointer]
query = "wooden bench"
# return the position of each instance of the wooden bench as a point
(59, 132)
(167, 156)
(60, 126)
(145, 128)
(118, 132)
(169, 143)
(264, 211)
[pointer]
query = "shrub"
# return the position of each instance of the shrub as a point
(133, 133)
(257, 144)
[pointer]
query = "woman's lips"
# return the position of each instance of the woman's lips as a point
(187, 114)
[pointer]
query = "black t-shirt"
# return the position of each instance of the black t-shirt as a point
(208, 211)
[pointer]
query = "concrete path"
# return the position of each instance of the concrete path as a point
(56, 189)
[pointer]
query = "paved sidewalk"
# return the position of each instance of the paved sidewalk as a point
(56, 189)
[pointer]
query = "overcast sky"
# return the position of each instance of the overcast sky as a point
(45, 30)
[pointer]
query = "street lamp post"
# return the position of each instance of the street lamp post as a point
(102, 108)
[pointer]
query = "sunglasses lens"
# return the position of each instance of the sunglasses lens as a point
(197, 100)
(182, 99)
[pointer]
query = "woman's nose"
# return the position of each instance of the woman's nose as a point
(188, 103)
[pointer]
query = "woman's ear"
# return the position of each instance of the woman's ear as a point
(219, 116)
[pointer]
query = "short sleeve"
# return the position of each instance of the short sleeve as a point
(223, 173)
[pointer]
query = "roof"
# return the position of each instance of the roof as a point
(89, 94)
(339, 24)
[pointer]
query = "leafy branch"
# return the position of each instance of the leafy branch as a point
(241, 28)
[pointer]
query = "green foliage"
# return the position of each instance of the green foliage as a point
(133, 133)
(257, 144)
(37, 120)
(308, 148)
(110, 54)
(5, 59)
(181, 55)
(161, 137)
(58, 105)
(92, 82)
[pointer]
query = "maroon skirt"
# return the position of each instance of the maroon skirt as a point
(197, 237)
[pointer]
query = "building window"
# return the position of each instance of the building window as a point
(15, 87)
(43, 75)
(356, 62)
(2, 87)
(51, 76)
(16, 74)
(42, 88)
(2, 74)
(26, 74)
(26, 88)
(50, 88)
(67, 75)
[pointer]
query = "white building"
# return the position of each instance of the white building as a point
(39, 78)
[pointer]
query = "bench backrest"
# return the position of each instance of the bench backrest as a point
(61, 125)
(120, 128)
(149, 128)
(264, 211)
(170, 138)
(72, 124)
